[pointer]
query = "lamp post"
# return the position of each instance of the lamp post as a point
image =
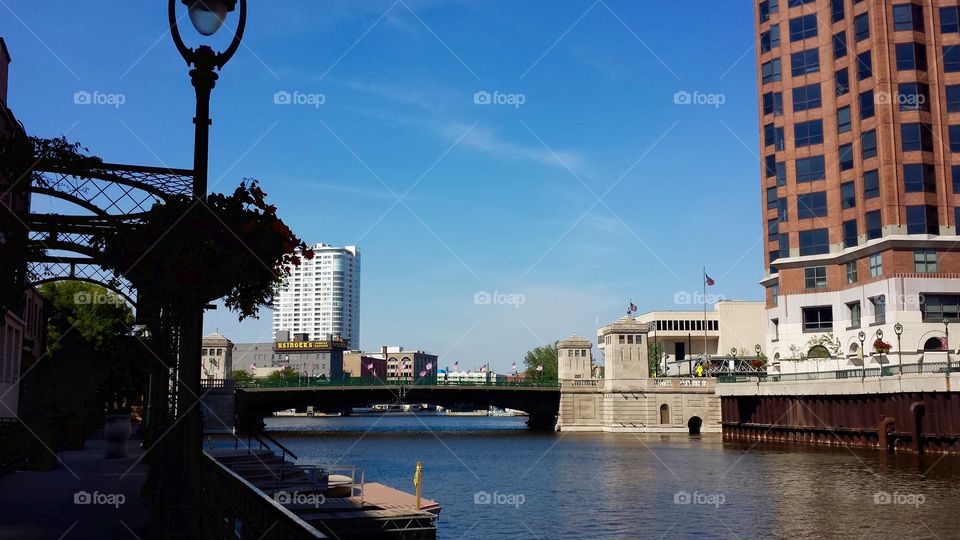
(207, 17)
(863, 358)
(946, 345)
(898, 330)
(878, 336)
(757, 348)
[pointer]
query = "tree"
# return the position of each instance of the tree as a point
(97, 314)
(545, 356)
(655, 356)
(286, 373)
(242, 376)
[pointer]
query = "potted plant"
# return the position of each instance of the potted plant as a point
(881, 347)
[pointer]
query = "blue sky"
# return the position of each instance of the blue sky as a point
(596, 189)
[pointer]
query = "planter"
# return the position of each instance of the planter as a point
(117, 432)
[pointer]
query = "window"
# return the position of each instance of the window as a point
(954, 133)
(953, 98)
(868, 144)
(781, 173)
(773, 230)
(784, 246)
(839, 45)
(807, 133)
(922, 220)
(913, 97)
(874, 227)
(846, 156)
(766, 8)
(843, 119)
(854, 308)
(871, 184)
(911, 56)
(951, 59)
(864, 66)
(803, 27)
(773, 103)
(772, 197)
(810, 205)
(814, 242)
(955, 177)
(805, 62)
(925, 261)
(876, 265)
(879, 309)
(949, 20)
(937, 307)
(866, 104)
(842, 78)
(810, 169)
(916, 136)
(806, 97)
(770, 71)
(918, 178)
(769, 136)
(851, 272)
(849, 233)
(771, 165)
(782, 212)
(836, 10)
(861, 27)
(848, 196)
(815, 277)
(770, 39)
(818, 319)
(908, 17)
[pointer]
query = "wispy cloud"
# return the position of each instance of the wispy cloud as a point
(489, 142)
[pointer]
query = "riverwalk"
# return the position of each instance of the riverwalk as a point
(86, 496)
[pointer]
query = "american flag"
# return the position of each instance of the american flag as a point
(370, 367)
(513, 367)
(540, 367)
(253, 367)
(456, 366)
(483, 369)
(423, 373)
(429, 366)
(708, 280)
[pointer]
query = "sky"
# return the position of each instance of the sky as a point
(512, 172)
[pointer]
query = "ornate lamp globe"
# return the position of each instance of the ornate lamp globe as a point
(207, 16)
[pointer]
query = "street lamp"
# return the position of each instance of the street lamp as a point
(863, 359)
(898, 330)
(207, 17)
(946, 345)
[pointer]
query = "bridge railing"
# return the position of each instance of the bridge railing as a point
(317, 382)
(852, 373)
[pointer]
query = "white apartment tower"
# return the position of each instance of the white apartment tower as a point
(321, 297)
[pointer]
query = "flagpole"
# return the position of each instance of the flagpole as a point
(704, 314)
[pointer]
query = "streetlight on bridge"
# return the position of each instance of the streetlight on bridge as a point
(898, 330)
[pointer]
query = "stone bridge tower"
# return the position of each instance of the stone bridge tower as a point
(624, 345)
(574, 359)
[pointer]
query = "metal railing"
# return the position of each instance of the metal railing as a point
(850, 373)
(317, 382)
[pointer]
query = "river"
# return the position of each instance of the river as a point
(496, 479)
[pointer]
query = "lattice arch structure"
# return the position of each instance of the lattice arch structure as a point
(107, 196)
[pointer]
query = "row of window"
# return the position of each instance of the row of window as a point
(686, 325)
(933, 308)
(906, 17)
(921, 219)
(909, 57)
(924, 262)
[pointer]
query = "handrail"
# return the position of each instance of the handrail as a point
(849, 373)
(315, 382)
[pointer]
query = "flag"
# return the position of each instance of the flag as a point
(423, 373)
(540, 367)
(632, 308)
(429, 366)
(370, 367)
(456, 366)
(253, 368)
(708, 280)
(513, 367)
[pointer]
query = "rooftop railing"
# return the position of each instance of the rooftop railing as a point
(317, 382)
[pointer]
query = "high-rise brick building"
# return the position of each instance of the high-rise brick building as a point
(859, 104)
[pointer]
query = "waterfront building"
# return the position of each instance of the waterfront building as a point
(408, 364)
(216, 358)
(321, 358)
(471, 377)
(731, 324)
(859, 107)
(574, 358)
(321, 297)
(357, 365)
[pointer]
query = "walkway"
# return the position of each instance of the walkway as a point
(46, 504)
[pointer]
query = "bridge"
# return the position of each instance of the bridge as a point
(259, 398)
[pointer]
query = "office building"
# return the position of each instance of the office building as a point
(859, 104)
